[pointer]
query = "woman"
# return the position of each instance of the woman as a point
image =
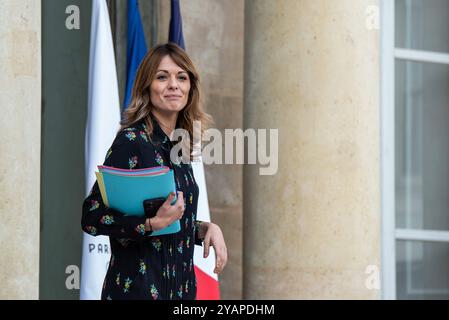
(165, 96)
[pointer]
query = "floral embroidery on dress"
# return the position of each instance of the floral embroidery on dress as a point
(131, 136)
(168, 271)
(142, 267)
(187, 286)
(171, 294)
(180, 291)
(143, 135)
(159, 159)
(117, 279)
(154, 292)
(170, 249)
(140, 229)
(184, 264)
(157, 244)
(188, 242)
(91, 230)
(173, 271)
(127, 285)
(132, 162)
(191, 198)
(94, 204)
(186, 179)
(107, 220)
(180, 246)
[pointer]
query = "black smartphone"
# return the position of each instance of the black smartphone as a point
(151, 206)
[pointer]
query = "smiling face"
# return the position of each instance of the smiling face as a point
(170, 87)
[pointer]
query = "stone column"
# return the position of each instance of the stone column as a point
(312, 71)
(20, 129)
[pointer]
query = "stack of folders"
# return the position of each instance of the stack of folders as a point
(125, 190)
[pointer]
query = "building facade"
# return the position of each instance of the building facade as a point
(356, 209)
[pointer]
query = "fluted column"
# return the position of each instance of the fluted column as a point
(313, 229)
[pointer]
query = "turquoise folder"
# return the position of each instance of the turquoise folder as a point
(126, 193)
(135, 172)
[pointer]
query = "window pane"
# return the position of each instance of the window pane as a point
(422, 145)
(422, 270)
(422, 24)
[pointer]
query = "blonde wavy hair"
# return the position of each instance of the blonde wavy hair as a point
(140, 105)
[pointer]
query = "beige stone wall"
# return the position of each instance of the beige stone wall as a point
(20, 103)
(213, 33)
(312, 70)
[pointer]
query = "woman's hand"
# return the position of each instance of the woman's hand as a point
(214, 237)
(167, 213)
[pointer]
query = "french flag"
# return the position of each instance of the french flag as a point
(207, 280)
(103, 119)
(136, 48)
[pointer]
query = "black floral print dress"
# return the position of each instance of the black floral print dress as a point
(144, 266)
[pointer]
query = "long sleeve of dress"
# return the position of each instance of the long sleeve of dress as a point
(97, 219)
(198, 240)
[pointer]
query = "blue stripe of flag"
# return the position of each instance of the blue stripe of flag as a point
(175, 33)
(136, 48)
